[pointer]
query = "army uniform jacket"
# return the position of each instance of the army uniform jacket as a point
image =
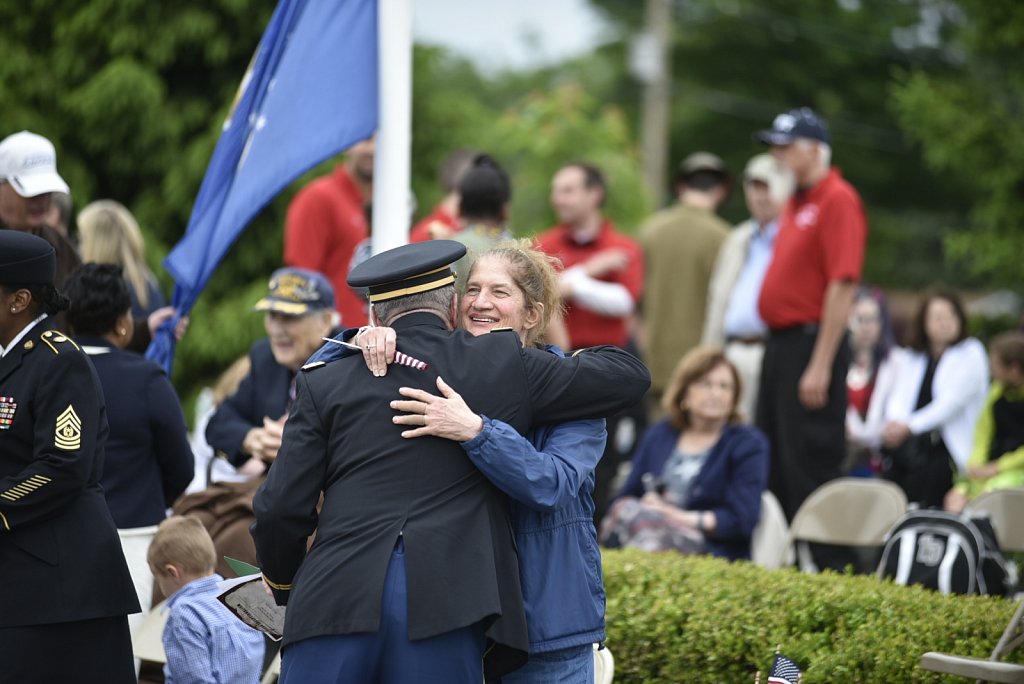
(60, 556)
(263, 392)
(459, 549)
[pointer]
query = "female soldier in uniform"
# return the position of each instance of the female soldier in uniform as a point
(67, 591)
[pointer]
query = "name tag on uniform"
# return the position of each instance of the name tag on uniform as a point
(7, 407)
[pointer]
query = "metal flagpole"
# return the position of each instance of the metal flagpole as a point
(391, 175)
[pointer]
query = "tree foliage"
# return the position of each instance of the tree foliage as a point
(737, 64)
(970, 126)
(133, 95)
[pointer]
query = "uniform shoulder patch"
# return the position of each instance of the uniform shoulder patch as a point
(68, 432)
(55, 339)
(503, 329)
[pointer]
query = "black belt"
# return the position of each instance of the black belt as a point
(802, 329)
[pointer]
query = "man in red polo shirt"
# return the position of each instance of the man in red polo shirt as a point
(327, 220)
(601, 283)
(805, 301)
(603, 272)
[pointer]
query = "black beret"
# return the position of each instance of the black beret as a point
(409, 269)
(26, 259)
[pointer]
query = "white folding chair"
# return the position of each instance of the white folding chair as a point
(848, 511)
(273, 672)
(147, 639)
(770, 534)
(1005, 509)
(604, 665)
(993, 669)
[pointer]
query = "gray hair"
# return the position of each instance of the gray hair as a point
(824, 150)
(438, 301)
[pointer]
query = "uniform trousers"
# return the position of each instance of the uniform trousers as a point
(387, 656)
(98, 650)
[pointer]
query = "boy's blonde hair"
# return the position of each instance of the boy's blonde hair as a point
(184, 542)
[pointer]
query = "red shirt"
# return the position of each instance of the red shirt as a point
(860, 398)
(586, 328)
(822, 232)
(421, 231)
(325, 222)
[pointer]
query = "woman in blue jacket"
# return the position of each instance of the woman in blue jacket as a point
(549, 477)
(698, 474)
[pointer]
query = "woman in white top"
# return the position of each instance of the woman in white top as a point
(938, 394)
(874, 365)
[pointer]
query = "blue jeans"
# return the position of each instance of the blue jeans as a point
(573, 665)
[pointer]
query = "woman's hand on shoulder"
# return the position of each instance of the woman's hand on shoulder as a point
(378, 345)
(446, 416)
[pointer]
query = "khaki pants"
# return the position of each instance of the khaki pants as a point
(747, 358)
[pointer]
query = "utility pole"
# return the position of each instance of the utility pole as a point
(651, 63)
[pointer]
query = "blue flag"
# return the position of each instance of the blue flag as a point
(310, 93)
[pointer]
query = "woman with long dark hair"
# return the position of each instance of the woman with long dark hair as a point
(874, 364)
(938, 394)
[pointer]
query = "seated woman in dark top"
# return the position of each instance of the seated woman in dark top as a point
(697, 475)
(148, 461)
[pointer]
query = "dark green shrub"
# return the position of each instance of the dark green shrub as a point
(675, 618)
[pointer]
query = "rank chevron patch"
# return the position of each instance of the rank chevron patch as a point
(68, 435)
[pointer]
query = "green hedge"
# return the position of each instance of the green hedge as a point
(675, 618)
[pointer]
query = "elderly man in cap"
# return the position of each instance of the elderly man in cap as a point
(28, 179)
(732, 319)
(805, 301)
(67, 590)
(413, 568)
(298, 314)
(680, 245)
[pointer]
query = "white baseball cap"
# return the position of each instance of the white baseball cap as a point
(765, 168)
(29, 163)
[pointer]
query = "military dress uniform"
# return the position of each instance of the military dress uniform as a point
(421, 502)
(68, 589)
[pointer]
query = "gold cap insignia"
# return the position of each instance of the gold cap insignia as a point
(68, 435)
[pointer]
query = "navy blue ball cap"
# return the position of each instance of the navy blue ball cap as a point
(796, 123)
(407, 270)
(296, 292)
(26, 259)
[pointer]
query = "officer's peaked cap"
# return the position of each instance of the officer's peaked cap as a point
(408, 270)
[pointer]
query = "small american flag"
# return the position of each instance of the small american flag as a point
(784, 671)
(406, 360)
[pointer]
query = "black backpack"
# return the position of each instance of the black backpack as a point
(949, 553)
